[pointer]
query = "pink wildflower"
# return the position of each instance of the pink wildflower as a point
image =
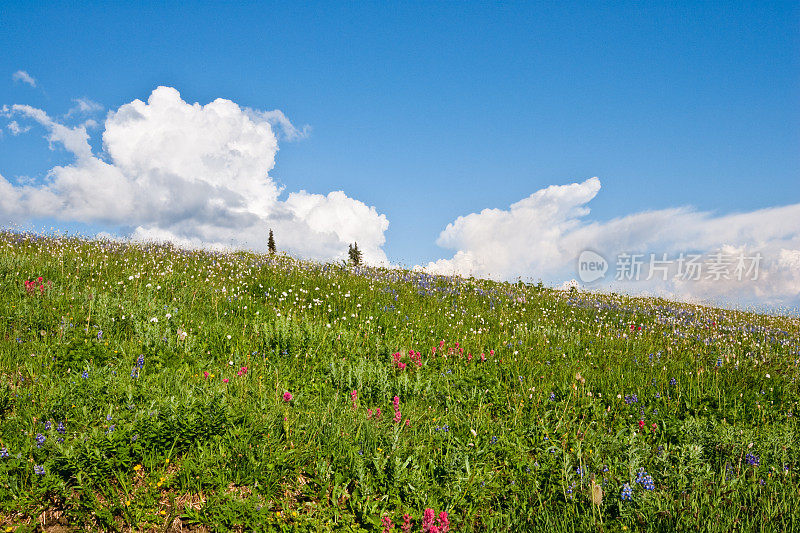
(378, 412)
(386, 522)
(406, 527)
(287, 396)
(224, 380)
(354, 397)
(369, 413)
(427, 520)
(205, 374)
(396, 402)
(444, 523)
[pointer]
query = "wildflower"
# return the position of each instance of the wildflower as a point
(444, 523)
(427, 520)
(224, 380)
(38, 470)
(386, 522)
(645, 480)
(287, 397)
(85, 374)
(641, 424)
(353, 398)
(40, 440)
(4, 453)
(406, 527)
(627, 493)
(752, 460)
(137, 468)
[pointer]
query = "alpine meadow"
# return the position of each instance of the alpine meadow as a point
(154, 388)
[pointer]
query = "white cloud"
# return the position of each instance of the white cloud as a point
(84, 106)
(541, 237)
(193, 174)
(277, 119)
(24, 77)
(16, 129)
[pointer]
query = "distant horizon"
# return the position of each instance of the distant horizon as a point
(565, 286)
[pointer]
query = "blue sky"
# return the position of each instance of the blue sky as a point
(431, 111)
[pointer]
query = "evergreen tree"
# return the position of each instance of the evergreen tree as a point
(355, 254)
(271, 243)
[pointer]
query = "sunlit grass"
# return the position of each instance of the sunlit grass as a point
(145, 387)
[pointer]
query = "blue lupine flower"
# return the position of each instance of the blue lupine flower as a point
(645, 480)
(85, 374)
(40, 440)
(627, 493)
(552, 396)
(47, 425)
(673, 382)
(38, 470)
(494, 439)
(631, 399)
(752, 460)
(140, 361)
(4, 453)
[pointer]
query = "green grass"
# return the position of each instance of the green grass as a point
(167, 370)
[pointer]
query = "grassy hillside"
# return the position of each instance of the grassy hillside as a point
(152, 388)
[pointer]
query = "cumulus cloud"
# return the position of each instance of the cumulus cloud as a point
(543, 235)
(24, 77)
(193, 174)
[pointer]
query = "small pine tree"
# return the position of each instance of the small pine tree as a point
(355, 254)
(271, 243)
